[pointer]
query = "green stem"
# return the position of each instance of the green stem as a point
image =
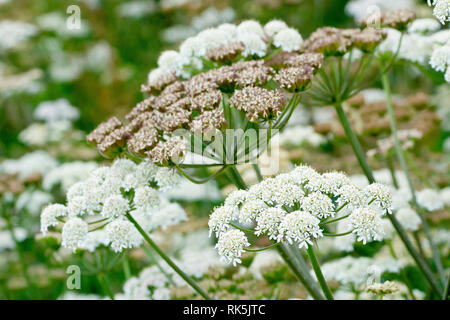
(401, 160)
(334, 220)
(391, 168)
(322, 282)
(337, 234)
(152, 258)
(126, 268)
(257, 171)
(237, 179)
(161, 253)
(359, 153)
(416, 170)
(200, 181)
(21, 256)
(402, 272)
(299, 273)
(447, 285)
(263, 249)
(356, 146)
(105, 285)
(242, 229)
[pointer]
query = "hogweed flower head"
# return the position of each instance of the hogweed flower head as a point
(300, 227)
(441, 9)
(231, 246)
(194, 91)
(96, 208)
(367, 224)
(294, 207)
(397, 19)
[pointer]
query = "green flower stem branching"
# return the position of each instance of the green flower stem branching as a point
(242, 229)
(318, 272)
(361, 157)
(333, 220)
(338, 234)
(404, 166)
(265, 248)
(169, 261)
(200, 181)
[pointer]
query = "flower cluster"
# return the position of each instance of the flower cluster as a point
(349, 271)
(294, 207)
(398, 19)
(336, 42)
(441, 9)
(231, 72)
(97, 207)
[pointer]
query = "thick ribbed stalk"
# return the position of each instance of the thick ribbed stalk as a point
(299, 273)
(402, 161)
(359, 153)
(161, 253)
(354, 143)
(319, 274)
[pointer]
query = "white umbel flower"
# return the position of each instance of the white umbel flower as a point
(288, 39)
(408, 218)
(167, 178)
(367, 224)
(441, 9)
(425, 25)
(440, 58)
(231, 244)
(77, 189)
(304, 174)
(333, 181)
(121, 167)
(115, 206)
(219, 220)
(171, 60)
(319, 205)
(122, 235)
(77, 206)
(236, 198)
(251, 209)
(352, 195)
(286, 192)
(146, 198)
(299, 227)
(268, 222)
(74, 232)
(250, 27)
(254, 45)
(430, 199)
(273, 27)
(266, 191)
(381, 195)
(50, 214)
